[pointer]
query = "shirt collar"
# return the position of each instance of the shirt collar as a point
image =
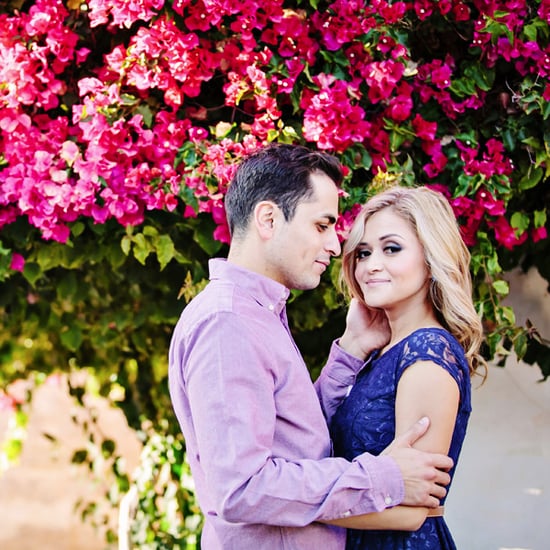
(267, 292)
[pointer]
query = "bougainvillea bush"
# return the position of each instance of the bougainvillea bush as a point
(120, 126)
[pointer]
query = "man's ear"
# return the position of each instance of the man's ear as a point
(265, 215)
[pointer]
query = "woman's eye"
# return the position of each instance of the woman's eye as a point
(392, 248)
(361, 254)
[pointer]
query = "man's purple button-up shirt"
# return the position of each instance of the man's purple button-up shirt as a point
(256, 427)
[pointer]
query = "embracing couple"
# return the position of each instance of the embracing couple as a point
(363, 457)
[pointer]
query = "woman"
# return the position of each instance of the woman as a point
(405, 256)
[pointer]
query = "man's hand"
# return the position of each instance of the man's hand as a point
(425, 474)
(366, 330)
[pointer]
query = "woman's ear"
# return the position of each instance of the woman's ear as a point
(265, 215)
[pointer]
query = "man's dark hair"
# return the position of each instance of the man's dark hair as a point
(279, 173)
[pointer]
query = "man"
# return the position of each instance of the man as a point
(255, 426)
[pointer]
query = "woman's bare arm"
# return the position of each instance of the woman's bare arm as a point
(399, 518)
(425, 389)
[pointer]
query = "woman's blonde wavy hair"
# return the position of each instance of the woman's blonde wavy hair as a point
(446, 255)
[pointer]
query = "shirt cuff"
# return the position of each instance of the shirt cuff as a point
(387, 481)
(340, 355)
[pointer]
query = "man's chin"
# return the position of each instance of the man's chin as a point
(310, 284)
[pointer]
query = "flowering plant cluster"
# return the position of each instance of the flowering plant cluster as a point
(97, 133)
(121, 123)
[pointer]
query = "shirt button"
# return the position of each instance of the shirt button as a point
(388, 500)
(347, 514)
(271, 307)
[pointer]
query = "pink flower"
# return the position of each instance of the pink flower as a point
(382, 78)
(221, 233)
(424, 130)
(544, 11)
(443, 189)
(331, 117)
(505, 234)
(461, 12)
(441, 76)
(17, 262)
(345, 221)
(539, 234)
(341, 25)
(391, 12)
(490, 204)
(438, 158)
(401, 105)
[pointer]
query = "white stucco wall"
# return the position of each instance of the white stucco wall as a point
(500, 499)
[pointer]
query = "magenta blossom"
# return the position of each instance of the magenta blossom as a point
(539, 234)
(17, 262)
(505, 233)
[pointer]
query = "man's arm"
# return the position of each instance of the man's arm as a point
(424, 388)
(232, 398)
(424, 473)
(424, 480)
(366, 331)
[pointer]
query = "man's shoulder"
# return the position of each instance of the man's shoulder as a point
(220, 298)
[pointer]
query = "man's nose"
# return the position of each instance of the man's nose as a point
(333, 245)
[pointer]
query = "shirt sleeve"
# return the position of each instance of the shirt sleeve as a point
(230, 388)
(336, 378)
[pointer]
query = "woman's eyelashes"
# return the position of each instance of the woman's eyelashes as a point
(391, 248)
(388, 249)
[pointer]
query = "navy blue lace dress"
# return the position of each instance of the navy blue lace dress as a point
(366, 422)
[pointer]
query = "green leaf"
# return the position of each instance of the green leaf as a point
(502, 287)
(165, 250)
(71, 337)
(539, 218)
(142, 248)
(67, 286)
(520, 344)
(509, 139)
(463, 87)
(508, 314)
(145, 111)
(126, 244)
(115, 254)
(497, 30)
(531, 178)
(493, 265)
(77, 229)
(483, 76)
(520, 222)
(108, 447)
(396, 140)
(79, 456)
(32, 272)
(150, 231)
(188, 196)
(205, 239)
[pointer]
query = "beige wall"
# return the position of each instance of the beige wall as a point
(501, 494)
(38, 496)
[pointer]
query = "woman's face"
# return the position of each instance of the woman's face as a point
(391, 269)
